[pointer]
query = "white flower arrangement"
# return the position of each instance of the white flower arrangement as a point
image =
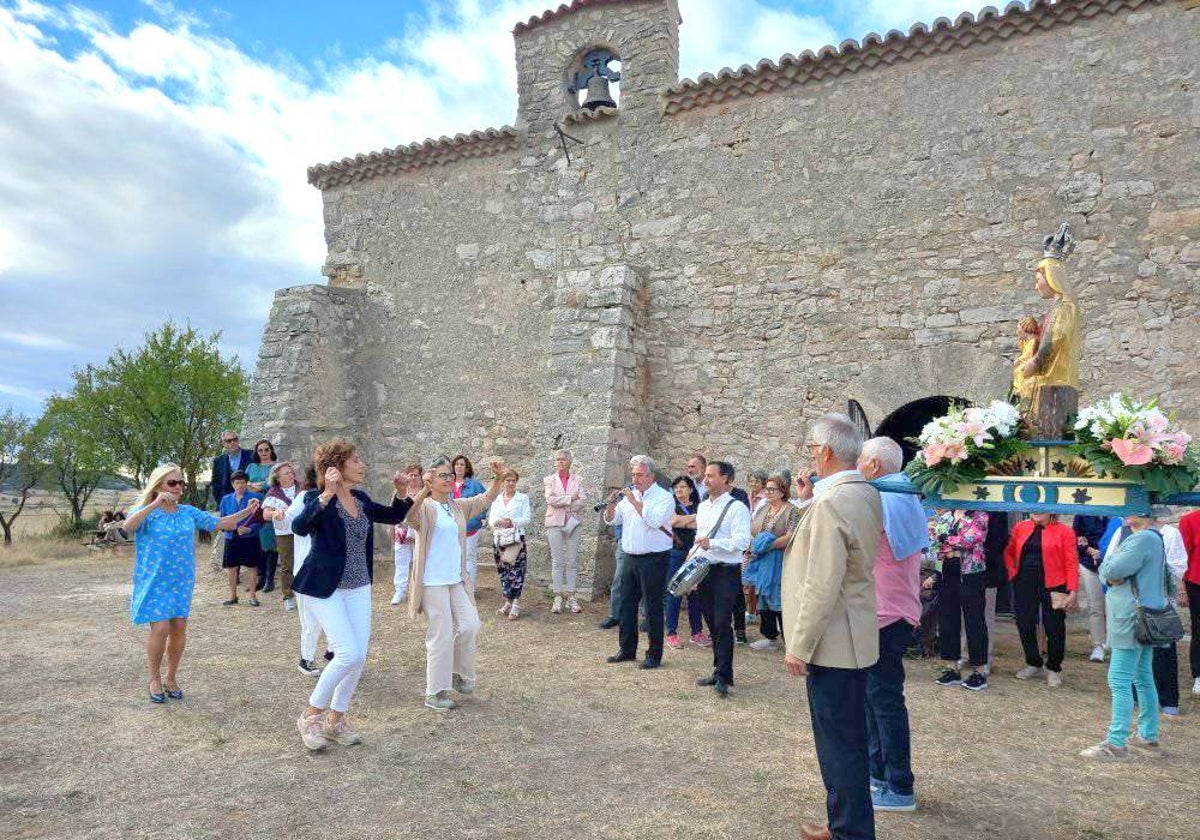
(964, 444)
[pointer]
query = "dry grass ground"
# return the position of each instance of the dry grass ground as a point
(556, 744)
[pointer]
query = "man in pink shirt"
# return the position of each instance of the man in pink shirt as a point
(898, 607)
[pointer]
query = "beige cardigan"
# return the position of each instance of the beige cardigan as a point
(422, 519)
(829, 577)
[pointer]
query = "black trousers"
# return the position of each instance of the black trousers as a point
(1166, 674)
(837, 703)
(770, 623)
(1031, 599)
(1193, 593)
(962, 599)
(644, 580)
(718, 600)
(739, 610)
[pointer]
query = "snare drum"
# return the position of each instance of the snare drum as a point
(694, 570)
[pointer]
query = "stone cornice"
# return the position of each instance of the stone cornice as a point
(851, 56)
(477, 144)
(553, 14)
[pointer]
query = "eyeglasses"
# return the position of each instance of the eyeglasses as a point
(771, 488)
(445, 476)
(230, 440)
(175, 482)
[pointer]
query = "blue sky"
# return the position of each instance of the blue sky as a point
(154, 153)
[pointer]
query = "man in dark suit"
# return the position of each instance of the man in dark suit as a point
(234, 458)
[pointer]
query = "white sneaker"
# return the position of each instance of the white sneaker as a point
(1029, 672)
(764, 644)
(573, 605)
(289, 604)
(398, 598)
(556, 607)
(312, 732)
(1196, 686)
(1054, 679)
(1097, 654)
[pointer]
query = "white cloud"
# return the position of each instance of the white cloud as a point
(159, 170)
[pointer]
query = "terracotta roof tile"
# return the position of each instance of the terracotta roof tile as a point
(564, 9)
(477, 144)
(850, 56)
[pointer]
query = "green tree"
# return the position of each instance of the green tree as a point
(20, 467)
(77, 459)
(166, 401)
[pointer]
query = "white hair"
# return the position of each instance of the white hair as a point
(887, 452)
(565, 453)
(838, 432)
(645, 461)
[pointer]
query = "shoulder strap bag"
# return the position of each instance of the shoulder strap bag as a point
(1156, 626)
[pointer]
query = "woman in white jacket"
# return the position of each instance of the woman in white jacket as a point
(508, 517)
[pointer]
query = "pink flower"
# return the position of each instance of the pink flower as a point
(976, 431)
(1174, 453)
(1132, 453)
(956, 452)
(934, 453)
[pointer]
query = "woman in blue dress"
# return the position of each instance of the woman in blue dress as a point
(164, 574)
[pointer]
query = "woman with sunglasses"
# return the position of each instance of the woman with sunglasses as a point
(442, 586)
(259, 476)
(164, 573)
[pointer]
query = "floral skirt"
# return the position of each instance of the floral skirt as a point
(512, 573)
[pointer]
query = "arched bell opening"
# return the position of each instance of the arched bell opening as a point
(593, 78)
(904, 425)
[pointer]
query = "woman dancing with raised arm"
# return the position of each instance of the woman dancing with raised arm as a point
(441, 585)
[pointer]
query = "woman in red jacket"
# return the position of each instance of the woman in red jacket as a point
(1041, 558)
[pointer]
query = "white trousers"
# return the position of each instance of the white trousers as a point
(452, 637)
(564, 558)
(310, 628)
(345, 616)
(1094, 592)
(403, 554)
(473, 556)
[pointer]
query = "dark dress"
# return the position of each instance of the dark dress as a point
(242, 550)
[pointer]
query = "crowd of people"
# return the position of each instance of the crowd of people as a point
(848, 581)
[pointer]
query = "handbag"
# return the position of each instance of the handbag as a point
(504, 537)
(1156, 626)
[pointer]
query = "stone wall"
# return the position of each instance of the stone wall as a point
(713, 278)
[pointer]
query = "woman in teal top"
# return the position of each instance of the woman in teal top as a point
(1140, 558)
(259, 475)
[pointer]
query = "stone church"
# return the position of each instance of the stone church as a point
(640, 264)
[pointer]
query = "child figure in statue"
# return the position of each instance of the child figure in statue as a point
(1029, 331)
(1051, 375)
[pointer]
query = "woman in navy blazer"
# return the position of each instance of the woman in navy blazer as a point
(335, 581)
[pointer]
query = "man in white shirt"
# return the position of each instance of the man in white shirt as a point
(722, 533)
(644, 511)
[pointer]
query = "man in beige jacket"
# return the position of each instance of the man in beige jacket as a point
(829, 620)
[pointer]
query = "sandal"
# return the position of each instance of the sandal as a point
(159, 697)
(254, 602)
(230, 602)
(175, 693)
(514, 613)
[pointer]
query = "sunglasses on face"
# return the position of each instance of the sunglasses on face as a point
(230, 440)
(174, 482)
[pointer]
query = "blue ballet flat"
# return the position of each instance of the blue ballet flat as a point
(158, 698)
(177, 694)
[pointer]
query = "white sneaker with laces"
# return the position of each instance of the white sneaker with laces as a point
(573, 605)
(312, 732)
(557, 606)
(764, 644)
(1097, 654)
(1054, 679)
(1029, 672)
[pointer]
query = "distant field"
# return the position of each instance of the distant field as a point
(44, 510)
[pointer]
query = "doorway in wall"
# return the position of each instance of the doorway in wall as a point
(905, 423)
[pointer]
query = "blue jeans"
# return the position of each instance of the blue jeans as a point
(888, 736)
(616, 591)
(837, 704)
(672, 603)
(1126, 668)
